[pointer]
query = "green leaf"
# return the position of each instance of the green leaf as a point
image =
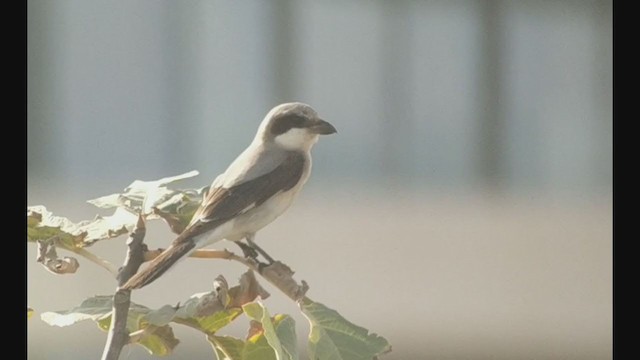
(258, 348)
(283, 323)
(286, 332)
(334, 337)
(43, 225)
(91, 309)
(212, 323)
(227, 347)
(158, 340)
(142, 193)
(161, 316)
(208, 312)
(155, 200)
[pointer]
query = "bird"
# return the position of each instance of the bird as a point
(256, 188)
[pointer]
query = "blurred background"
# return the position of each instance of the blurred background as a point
(463, 210)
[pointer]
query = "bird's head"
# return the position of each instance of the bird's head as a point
(293, 126)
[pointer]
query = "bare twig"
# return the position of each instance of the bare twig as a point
(278, 274)
(135, 253)
(118, 335)
(211, 254)
(95, 259)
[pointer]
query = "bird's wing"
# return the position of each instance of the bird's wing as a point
(221, 204)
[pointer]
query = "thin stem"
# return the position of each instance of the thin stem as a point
(277, 273)
(211, 254)
(96, 259)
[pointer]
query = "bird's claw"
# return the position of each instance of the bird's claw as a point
(262, 266)
(248, 251)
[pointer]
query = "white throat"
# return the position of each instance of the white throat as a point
(296, 139)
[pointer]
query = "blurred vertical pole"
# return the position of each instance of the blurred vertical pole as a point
(182, 34)
(282, 51)
(44, 98)
(396, 133)
(603, 93)
(38, 51)
(491, 157)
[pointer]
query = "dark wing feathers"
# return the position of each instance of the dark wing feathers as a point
(159, 265)
(221, 204)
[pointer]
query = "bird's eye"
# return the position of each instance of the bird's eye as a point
(282, 124)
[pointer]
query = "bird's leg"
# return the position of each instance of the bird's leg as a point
(257, 248)
(248, 251)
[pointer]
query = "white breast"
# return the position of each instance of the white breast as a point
(261, 216)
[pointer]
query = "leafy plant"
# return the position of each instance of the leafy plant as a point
(269, 336)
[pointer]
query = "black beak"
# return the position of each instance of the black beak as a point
(322, 127)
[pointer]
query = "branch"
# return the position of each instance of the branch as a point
(95, 259)
(135, 253)
(278, 274)
(118, 335)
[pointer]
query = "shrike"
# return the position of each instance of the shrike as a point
(256, 188)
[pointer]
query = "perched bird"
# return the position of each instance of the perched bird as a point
(258, 186)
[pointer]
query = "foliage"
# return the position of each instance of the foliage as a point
(269, 337)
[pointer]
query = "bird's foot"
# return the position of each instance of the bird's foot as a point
(248, 251)
(262, 266)
(257, 248)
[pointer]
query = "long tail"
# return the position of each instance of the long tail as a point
(159, 265)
